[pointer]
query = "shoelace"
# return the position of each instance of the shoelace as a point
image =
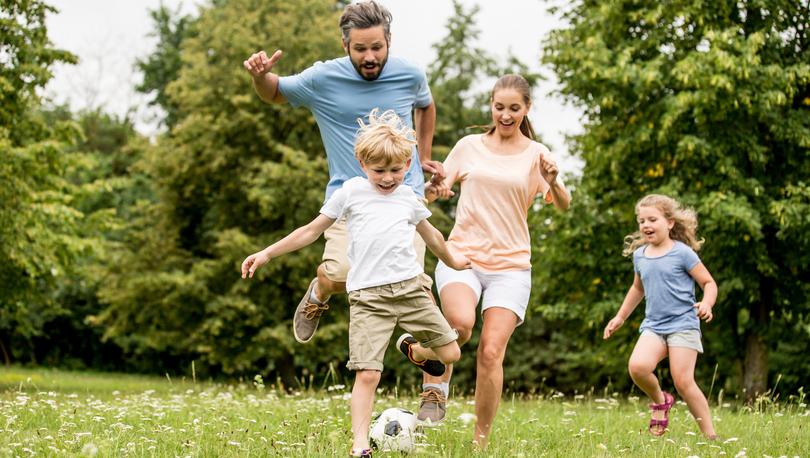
(433, 396)
(313, 310)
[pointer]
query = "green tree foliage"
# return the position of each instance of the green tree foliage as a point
(233, 175)
(709, 103)
(39, 240)
(162, 66)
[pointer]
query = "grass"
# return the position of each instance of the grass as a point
(50, 412)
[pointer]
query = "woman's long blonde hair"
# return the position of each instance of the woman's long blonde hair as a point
(684, 229)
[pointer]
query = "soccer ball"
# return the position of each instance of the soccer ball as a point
(394, 430)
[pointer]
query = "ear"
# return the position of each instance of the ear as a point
(670, 224)
(345, 45)
(408, 163)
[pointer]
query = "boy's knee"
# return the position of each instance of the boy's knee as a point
(367, 376)
(451, 353)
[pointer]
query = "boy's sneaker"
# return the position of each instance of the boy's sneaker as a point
(433, 407)
(307, 315)
(431, 366)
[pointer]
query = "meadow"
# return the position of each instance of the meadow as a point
(47, 412)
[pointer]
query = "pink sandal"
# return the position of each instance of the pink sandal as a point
(669, 401)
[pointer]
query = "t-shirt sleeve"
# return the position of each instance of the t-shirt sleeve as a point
(452, 163)
(689, 258)
(423, 95)
(636, 255)
(336, 206)
(420, 212)
(299, 90)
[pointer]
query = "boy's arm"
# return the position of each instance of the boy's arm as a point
(297, 239)
(703, 278)
(265, 82)
(435, 241)
(631, 300)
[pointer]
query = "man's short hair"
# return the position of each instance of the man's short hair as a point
(364, 15)
(384, 140)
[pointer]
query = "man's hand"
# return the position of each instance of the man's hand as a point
(434, 167)
(259, 64)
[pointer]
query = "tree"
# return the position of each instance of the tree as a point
(162, 66)
(710, 104)
(233, 175)
(39, 240)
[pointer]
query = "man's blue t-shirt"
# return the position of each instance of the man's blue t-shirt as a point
(669, 290)
(337, 96)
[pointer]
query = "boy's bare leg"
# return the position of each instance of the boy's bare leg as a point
(447, 354)
(362, 406)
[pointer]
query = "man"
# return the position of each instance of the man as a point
(338, 92)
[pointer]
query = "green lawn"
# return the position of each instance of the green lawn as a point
(49, 412)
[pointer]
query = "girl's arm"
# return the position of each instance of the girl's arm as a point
(709, 287)
(631, 300)
(435, 241)
(297, 239)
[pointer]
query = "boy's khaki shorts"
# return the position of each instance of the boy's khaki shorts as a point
(336, 257)
(375, 311)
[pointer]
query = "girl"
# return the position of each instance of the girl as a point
(500, 172)
(666, 269)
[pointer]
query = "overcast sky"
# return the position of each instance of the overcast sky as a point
(108, 35)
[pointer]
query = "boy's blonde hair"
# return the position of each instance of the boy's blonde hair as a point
(384, 140)
(684, 230)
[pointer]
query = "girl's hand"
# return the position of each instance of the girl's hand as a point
(253, 262)
(612, 326)
(548, 169)
(704, 311)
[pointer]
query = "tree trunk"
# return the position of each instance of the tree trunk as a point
(6, 359)
(755, 379)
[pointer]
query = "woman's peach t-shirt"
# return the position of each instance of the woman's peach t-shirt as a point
(496, 194)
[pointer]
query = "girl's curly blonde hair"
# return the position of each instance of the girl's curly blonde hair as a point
(684, 230)
(384, 140)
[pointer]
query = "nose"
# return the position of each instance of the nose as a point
(368, 56)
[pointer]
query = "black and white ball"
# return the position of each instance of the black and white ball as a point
(394, 430)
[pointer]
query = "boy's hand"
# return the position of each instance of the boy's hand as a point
(460, 262)
(704, 311)
(612, 326)
(433, 192)
(253, 262)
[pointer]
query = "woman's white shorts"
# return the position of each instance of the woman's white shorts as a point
(509, 290)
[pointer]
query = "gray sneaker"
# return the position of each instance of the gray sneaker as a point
(307, 315)
(433, 407)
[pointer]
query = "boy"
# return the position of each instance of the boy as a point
(383, 281)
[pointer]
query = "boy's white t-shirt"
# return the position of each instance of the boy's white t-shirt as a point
(381, 232)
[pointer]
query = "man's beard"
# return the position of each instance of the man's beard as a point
(359, 68)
